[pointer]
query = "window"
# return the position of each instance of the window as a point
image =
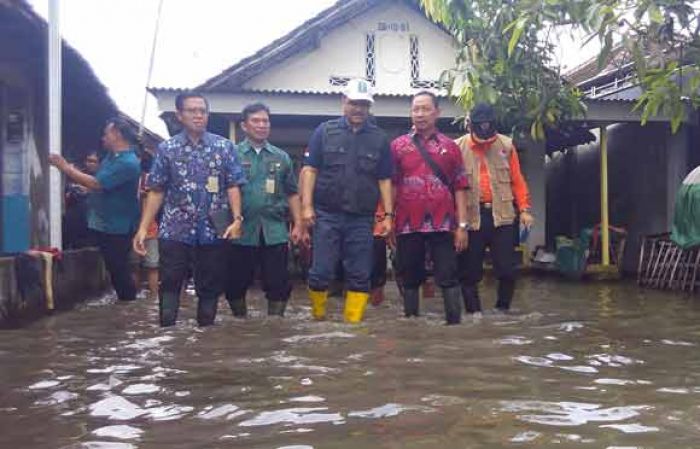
(339, 80)
(370, 59)
(370, 65)
(416, 81)
(415, 60)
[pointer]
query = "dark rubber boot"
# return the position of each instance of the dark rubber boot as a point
(276, 308)
(411, 302)
(472, 303)
(239, 308)
(206, 311)
(453, 304)
(506, 289)
(169, 304)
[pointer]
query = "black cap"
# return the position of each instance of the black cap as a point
(482, 112)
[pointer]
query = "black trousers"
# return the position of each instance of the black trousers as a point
(115, 249)
(471, 262)
(207, 262)
(411, 255)
(272, 261)
(378, 277)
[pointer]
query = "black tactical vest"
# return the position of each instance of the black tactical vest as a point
(347, 179)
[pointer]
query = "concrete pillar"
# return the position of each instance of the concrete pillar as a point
(604, 199)
(532, 159)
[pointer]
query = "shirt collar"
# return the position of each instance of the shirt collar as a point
(433, 136)
(113, 154)
(207, 138)
(248, 146)
(482, 142)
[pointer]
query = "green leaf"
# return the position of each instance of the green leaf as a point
(605, 51)
(655, 14)
(515, 36)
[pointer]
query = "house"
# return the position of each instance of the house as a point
(24, 221)
(645, 164)
(24, 180)
(300, 77)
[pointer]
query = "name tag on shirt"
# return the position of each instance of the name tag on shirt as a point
(213, 184)
(270, 186)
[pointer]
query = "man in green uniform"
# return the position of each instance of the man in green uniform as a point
(269, 198)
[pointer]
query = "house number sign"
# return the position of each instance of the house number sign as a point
(395, 27)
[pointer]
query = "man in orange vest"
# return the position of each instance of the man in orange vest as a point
(498, 194)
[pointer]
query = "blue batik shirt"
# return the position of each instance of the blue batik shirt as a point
(195, 179)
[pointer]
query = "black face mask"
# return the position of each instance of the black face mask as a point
(482, 133)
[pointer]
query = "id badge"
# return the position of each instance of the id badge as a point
(213, 184)
(270, 186)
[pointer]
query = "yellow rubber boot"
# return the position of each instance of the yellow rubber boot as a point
(318, 303)
(355, 303)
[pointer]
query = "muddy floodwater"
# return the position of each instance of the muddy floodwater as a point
(578, 366)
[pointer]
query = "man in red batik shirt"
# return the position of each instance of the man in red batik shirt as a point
(430, 185)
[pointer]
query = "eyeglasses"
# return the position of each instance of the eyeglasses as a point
(196, 111)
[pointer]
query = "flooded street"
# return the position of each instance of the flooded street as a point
(579, 365)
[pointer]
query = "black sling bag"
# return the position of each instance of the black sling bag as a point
(431, 163)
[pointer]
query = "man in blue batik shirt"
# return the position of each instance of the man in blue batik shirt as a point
(195, 176)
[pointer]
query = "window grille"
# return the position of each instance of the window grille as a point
(339, 80)
(370, 58)
(370, 64)
(415, 61)
(416, 81)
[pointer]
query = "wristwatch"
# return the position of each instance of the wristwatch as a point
(238, 218)
(389, 214)
(463, 225)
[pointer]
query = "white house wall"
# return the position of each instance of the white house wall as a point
(301, 104)
(342, 53)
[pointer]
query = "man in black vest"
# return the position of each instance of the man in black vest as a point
(348, 168)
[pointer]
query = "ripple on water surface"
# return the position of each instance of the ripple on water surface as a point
(286, 385)
(301, 415)
(570, 413)
(122, 432)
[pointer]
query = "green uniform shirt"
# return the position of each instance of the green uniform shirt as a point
(114, 209)
(271, 180)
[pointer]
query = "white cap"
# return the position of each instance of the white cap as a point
(359, 89)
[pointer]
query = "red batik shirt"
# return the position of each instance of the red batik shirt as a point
(423, 202)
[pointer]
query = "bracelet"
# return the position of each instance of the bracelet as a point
(238, 218)
(389, 214)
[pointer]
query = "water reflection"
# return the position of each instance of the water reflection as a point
(558, 373)
(119, 432)
(301, 415)
(570, 413)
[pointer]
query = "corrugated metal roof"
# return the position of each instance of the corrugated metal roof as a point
(337, 91)
(609, 100)
(589, 70)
